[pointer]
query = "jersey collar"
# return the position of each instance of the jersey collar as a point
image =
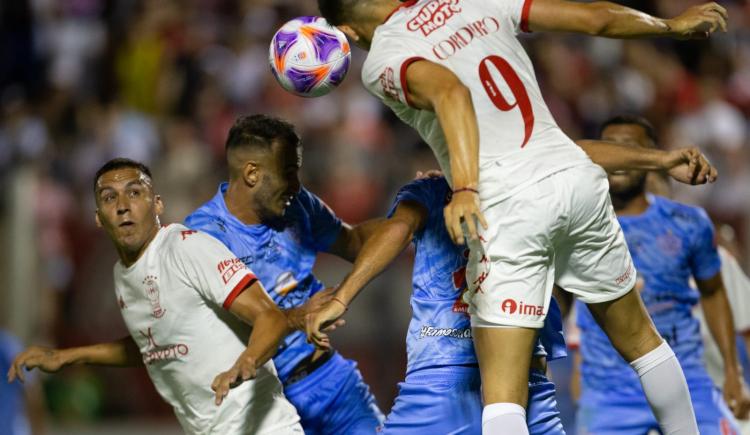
(405, 4)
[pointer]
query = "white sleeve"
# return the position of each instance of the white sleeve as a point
(515, 11)
(384, 73)
(737, 286)
(210, 268)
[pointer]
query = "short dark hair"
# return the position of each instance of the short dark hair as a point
(262, 131)
(337, 12)
(629, 119)
(120, 163)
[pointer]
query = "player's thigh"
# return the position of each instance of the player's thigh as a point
(437, 401)
(591, 258)
(542, 414)
(511, 272)
(504, 356)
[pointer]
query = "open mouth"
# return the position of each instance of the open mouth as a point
(126, 224)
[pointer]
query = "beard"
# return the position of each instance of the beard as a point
(622, 197)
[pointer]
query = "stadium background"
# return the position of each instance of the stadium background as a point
(82, 81)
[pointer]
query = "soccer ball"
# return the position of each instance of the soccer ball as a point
(309, 57)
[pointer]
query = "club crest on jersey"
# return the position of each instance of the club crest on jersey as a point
(388, 83)
(511, 306)
(433, 16)
(152, 292)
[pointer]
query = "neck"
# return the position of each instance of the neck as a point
(237, 203)
(128, 258)
(378, 14)
(630, 206)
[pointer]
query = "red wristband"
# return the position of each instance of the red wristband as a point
(466, 189)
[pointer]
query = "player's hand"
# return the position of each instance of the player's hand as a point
(463, 208)
(242, 370)
(45, 359)
(325, 320)
(297, 315)
(699, 22)
(737, 397)
(432, 173)
(690, 166)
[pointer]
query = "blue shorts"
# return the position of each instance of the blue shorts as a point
(445, 400)
(334, 399)
(604, 413)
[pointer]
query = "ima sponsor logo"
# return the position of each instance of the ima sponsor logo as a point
(228, 268)
(465, 36)
(431, 331)
(152, 291)
(156, 353)
(433, 16)
(622, 279)
(511, 306)
(388, 83)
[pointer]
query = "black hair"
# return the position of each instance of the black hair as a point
(261, 131)
(338, 12)
(120, 163)
(628, 119)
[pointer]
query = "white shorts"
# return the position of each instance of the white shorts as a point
(561, 230)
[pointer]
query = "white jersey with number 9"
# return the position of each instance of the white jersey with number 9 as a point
(520, 143)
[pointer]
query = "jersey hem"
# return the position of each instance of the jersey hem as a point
(525, 16)
(402, 77)
(246, 282)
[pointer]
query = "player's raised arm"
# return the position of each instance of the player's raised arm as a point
(434, 87)
(270, 326)
(616, 21)
(686, 165)
(122, 353)
(378, 251)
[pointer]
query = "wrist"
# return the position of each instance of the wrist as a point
(341, 301)
(466, 189)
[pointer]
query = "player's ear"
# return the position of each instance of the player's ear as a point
(349, 32)
(250, 173)
(158, 205)
(97, 219)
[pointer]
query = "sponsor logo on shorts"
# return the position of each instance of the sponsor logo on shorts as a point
(433, 16)
(511, 306)
(431, 331)
(228, 268)
(465, 36)
(622, 279)
(156, 353)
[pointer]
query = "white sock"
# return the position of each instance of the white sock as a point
(504, 419)
(666, 391)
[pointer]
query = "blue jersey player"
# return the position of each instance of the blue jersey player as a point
(277, 228)
(441, 393)
(670, 243)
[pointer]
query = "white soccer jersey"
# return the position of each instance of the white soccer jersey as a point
(519, 141)
(171, 300)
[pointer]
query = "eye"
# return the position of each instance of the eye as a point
(134, 193)
(108, 197)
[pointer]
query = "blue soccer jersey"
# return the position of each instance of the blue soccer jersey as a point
(669, 243)
(440, 329)
(282, 259)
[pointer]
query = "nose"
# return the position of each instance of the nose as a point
(123, 204)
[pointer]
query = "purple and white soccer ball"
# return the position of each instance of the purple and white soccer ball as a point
(309, 57)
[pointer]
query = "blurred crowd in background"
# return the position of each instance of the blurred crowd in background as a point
(82, 81)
